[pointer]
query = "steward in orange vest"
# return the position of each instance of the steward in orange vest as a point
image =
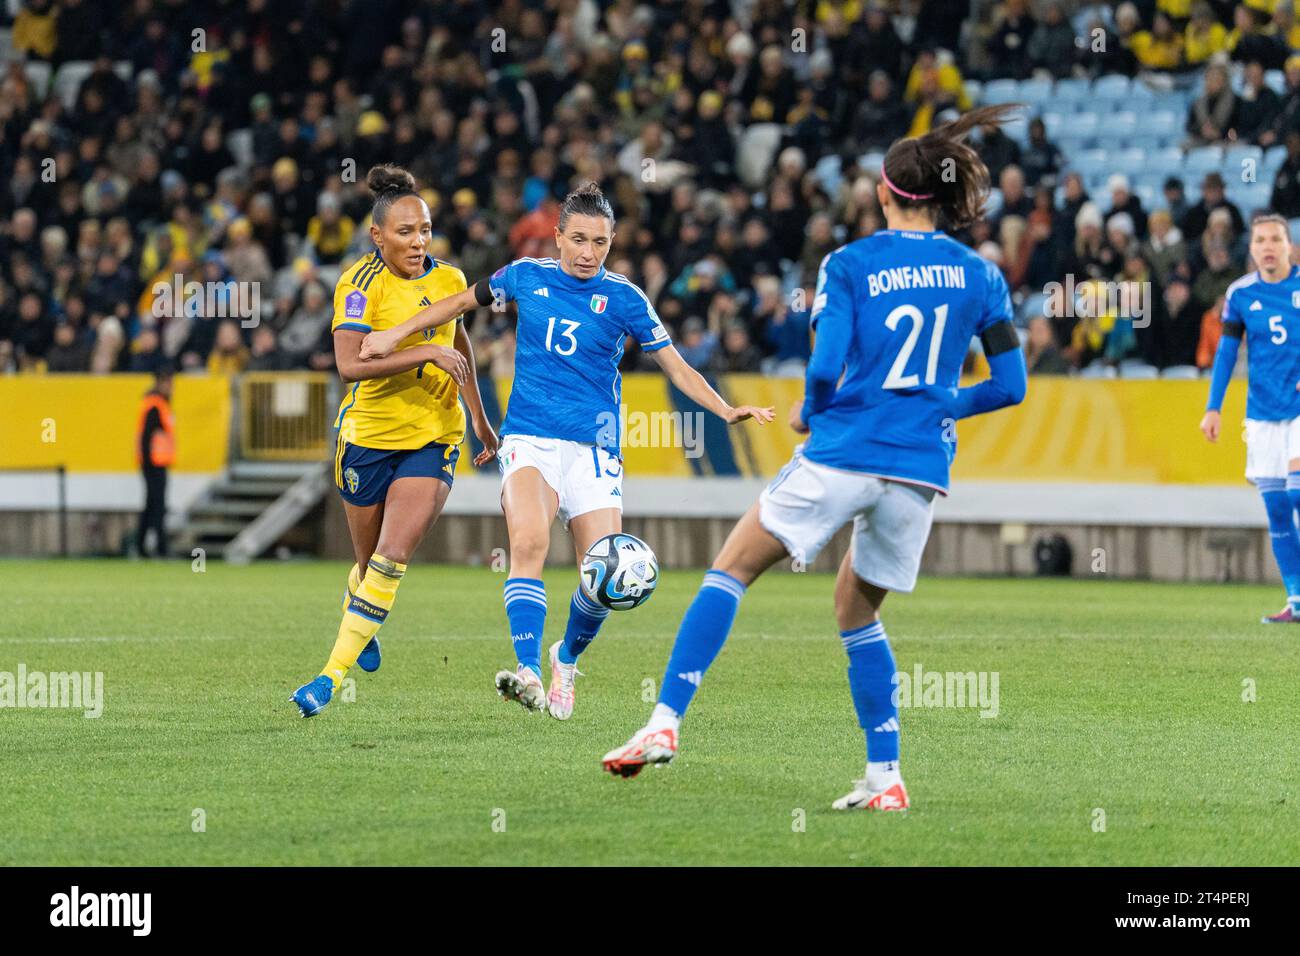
(155, 448)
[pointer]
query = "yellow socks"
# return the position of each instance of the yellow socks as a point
(354, 582)
(370, 603)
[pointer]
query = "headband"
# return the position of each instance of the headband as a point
(900, 192)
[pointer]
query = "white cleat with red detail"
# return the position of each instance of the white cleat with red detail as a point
(559, 700)
(893, 797)
(524, 686)
(646, 747)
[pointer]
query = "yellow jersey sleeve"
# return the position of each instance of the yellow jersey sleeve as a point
(357, 295)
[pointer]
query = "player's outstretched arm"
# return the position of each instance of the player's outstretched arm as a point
(352, 368)
(694, 386)
(474, 401)
(379, 344)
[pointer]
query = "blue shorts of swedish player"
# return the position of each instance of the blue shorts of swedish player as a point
(362, 475)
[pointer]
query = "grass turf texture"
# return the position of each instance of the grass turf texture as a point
(1123, 697)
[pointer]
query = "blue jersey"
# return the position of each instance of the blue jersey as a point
(894, 315)
(569, 342)
(1269, 313)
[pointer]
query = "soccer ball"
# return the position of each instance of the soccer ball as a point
(619, 572)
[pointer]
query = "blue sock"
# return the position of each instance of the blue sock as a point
(1282, 534)
(526, 609)
(871, 681)
(703, 631)
(1293, 490)
(585, 619)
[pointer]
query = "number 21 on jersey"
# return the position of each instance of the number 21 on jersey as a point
(896, 378)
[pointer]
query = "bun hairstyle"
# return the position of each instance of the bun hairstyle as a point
(941, 170)
(586, 200)
(388, 183)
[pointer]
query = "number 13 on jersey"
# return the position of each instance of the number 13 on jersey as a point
(565, 338)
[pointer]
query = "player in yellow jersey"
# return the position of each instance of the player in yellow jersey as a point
(400, 423)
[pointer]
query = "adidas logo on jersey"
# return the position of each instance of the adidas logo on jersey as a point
(542, 291)
(1256, 306)
(693, 678)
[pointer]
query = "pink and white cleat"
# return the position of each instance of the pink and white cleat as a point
(646, 747)
(1284, 616)
(893, 797)
(522, 685)
(559, 700)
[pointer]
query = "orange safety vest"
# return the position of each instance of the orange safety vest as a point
(162, 444)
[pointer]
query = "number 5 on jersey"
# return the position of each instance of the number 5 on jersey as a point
(566, 335)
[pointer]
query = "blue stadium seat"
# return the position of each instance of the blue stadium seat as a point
(1000, 91)
(1017, 127)
(1071, 90)
(1249, 197)
(1055, 122)
(974, 90)
(1091, 163)
(1135, 368)
(1275, 80)
(1034, 92)
(1180, 371)
(1098, 370)
(1152, 197)
(994, 204)
(1274, 157)
(1082, 126)
(1130, 160)
(1119, 126)
(1139, 94)
(1096, 186)
(1203, 159)
(1033, 307)
(1162, 122)
(1166, 162)
(1234, 155)
(1150, 180)
(1295, 229)
(1114, 86)
(828, 173)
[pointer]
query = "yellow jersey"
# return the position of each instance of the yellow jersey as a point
(410, 409)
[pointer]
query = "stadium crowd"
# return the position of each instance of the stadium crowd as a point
(227, 141)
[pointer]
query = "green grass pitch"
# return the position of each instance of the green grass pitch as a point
(1115, 699)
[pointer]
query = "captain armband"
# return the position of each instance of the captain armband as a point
(998, 338)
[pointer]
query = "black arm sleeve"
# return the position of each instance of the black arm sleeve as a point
(998, 338)
(483, 292)
(1234, 329)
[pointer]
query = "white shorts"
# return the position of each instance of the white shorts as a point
(807, 503)
(585, 478)
(1270, 447)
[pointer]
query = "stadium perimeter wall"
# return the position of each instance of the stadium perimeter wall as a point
(1117, 467)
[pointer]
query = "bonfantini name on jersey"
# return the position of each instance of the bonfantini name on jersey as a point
(899, 278)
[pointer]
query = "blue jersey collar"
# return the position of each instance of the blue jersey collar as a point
(573, 282)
